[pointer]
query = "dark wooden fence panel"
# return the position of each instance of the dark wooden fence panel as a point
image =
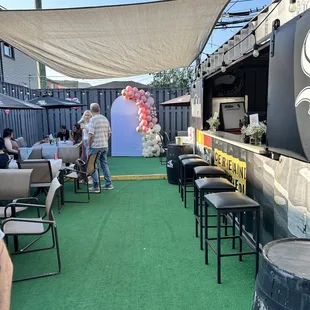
(32, 125)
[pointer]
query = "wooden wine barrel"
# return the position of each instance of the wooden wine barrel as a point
(173, 152)
(283, 281)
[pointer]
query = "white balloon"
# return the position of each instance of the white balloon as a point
(156, 147)
(157, 128)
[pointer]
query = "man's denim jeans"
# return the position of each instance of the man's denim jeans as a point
(103, 154)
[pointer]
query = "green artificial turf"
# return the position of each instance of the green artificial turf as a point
(135, 166)
(131, 248)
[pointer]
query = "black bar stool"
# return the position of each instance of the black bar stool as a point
(181, 157)
(188, 166)
(202, 187)
(225, 203)
(209, 172)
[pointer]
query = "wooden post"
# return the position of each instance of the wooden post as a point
(41, 67)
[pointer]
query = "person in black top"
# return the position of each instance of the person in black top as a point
(64, 133)
(4, 157)
(77, 134)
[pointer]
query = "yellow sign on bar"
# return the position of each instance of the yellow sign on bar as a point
(234, 167)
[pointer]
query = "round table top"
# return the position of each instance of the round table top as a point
(290, 255)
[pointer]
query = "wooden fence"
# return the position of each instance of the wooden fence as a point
(32, 125)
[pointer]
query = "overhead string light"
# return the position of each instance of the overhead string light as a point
(255, 47)
(293, 6)
(224, 66)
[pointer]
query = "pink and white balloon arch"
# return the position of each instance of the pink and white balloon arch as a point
(148, 126)
(147, 110)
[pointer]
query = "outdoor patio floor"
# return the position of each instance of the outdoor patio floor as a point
(131, 248)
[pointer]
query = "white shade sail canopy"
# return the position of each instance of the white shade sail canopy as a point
(113, 41)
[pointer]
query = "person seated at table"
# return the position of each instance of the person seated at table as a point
(11, 146)
(46, 139)
(64, 133)
(4, 157)
(77, 134)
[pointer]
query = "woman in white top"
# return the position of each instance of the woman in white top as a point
(84, 121)
(10, 145)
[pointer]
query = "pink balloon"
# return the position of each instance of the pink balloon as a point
(137, 95)
(147, 112)
(143, 116)
(141, 110)
(142, 92)
(129, 88)
(135, 89)
(144, 122)
(143, 98)
(124, 92)
(149, 118)
(151, 125)
(138, 104)
(130, 94)
(155, 120)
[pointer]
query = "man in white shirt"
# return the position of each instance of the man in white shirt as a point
(6, 275)
(99, 132)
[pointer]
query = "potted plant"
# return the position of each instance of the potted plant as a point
(254, 132)
(214, 123)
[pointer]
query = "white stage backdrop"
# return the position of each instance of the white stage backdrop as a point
(126, 141)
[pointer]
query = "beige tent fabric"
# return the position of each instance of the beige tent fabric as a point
(113, 41)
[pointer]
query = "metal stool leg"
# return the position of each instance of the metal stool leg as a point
(179, 179)
(240, 235)
(185, 183)
(234, 230)
(196, 212)
(201, 202)
(182, 183)
(257, 213)
(225, 222)
(206, 234)
(218, 237)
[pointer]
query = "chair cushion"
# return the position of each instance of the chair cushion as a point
(231, 201)
(194, 162)
(187, 156)
(214, 184)
(209, 171)
(23, 228)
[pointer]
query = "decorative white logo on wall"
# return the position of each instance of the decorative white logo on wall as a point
(304, 95)
(305, 55)
(169, 164)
